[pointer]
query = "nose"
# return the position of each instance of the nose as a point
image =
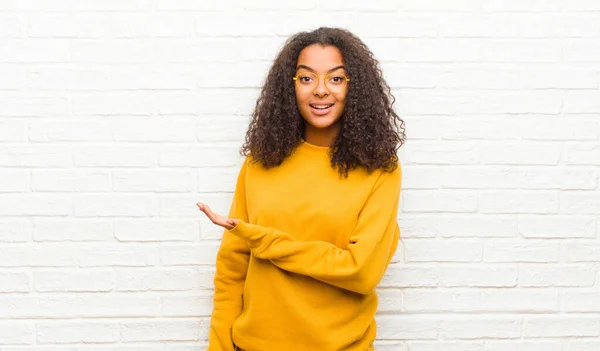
(321, 88)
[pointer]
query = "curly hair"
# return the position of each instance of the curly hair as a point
(370, 133)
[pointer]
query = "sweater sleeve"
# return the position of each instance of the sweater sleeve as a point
(360, 266)
(230, 275)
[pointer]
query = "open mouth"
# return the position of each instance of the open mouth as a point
(321, 109)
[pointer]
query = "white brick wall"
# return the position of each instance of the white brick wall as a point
(117, 116)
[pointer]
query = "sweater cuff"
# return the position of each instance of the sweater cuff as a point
(256, 236)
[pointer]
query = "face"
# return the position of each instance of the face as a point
(321, 104)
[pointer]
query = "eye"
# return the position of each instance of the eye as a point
(337, 79)
(306, 78)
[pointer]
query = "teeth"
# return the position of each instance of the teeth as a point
(321, 107)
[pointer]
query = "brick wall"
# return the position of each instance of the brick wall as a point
(117, 116)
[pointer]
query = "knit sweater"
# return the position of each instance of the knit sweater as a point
(299, 271)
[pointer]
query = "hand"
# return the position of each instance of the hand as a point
(217, 219)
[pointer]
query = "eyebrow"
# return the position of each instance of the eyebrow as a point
(310, 69)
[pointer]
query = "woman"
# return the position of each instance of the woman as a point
(312, 227)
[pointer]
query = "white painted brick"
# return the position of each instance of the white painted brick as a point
(482, 276)
(145, 25)
(180, 279)
(115, 156)
(14, 180)
(429, 152)
(40, 255)
(451, 250)
(553, 275)
(14, 282)
(562, 78)
(72, 25)
(557, 226)
(224, 155)
(423, 327)
(125, 255)
(27, 204)
(73, 281)
(572, 127)
(156, 230)
(473, 78)
(389, 25)
(221, 128)
(512, 201)
(580, 202)
(161, 330)
(386, 345)
(480, 327)
(185, 205)
(68, 130)
(581, 102)
(581, 50)
(192, 5)
(454, 225)
(11, 26)
(194, 50)
(522, 6)
(17, 333)
(561, 326)
(34, 106)
(35, 156)
(446, 345)
(421, 177)
(65, 229)
(422, 127)
(177, 255)
(520, 51)
(114, 205)
(390, 300)
(35, 50)
(235, 24)
(583, 154)
(78, 306)
(582, 251)
(217, 179)
(490, 177)
(87, 331)
(12, 131)
(479, 26)
(533, 102)
(558, 178)
(521, 345)
(15, 230)
(153, 180)
(187, 306)
(418, 103)
(584, 345)
(13, 78)
(70, 180)
(112, 51)
(529, 250)
(575, 301)
(489, 300)
(401, 276)
(436, 201)
(155, 78)
(572, 25)
(58, 78)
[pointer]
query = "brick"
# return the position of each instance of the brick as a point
(84, 332)
(560, 326)
(142, 279)
(153, 181)
(11, 282)
(161, 330)
(70, 180)
(123, 255)
(529, 250)
(68, 229)
(31, 204)
(115, 156)
(14, 180)
(452, 250)
(17, 333)
(436, 201)
(475, 327)
(156, 230)
(512, 201)
(175, 255)
(15, 230)
(557, 226)
(483, 276)
(187, 306)
(555, 275)
(73, 281)
(400, 276)
(35, 156)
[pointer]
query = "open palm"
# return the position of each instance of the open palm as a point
(217, 219)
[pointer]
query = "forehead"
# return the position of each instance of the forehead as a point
(320, 58)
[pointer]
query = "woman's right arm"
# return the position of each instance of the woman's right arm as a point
(230, 275)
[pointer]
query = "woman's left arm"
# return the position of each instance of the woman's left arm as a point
(358, 268)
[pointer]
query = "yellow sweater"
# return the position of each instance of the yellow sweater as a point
(299, 271)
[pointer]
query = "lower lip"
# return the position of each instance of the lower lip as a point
(321, 112)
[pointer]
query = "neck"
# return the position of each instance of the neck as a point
(320, 137)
